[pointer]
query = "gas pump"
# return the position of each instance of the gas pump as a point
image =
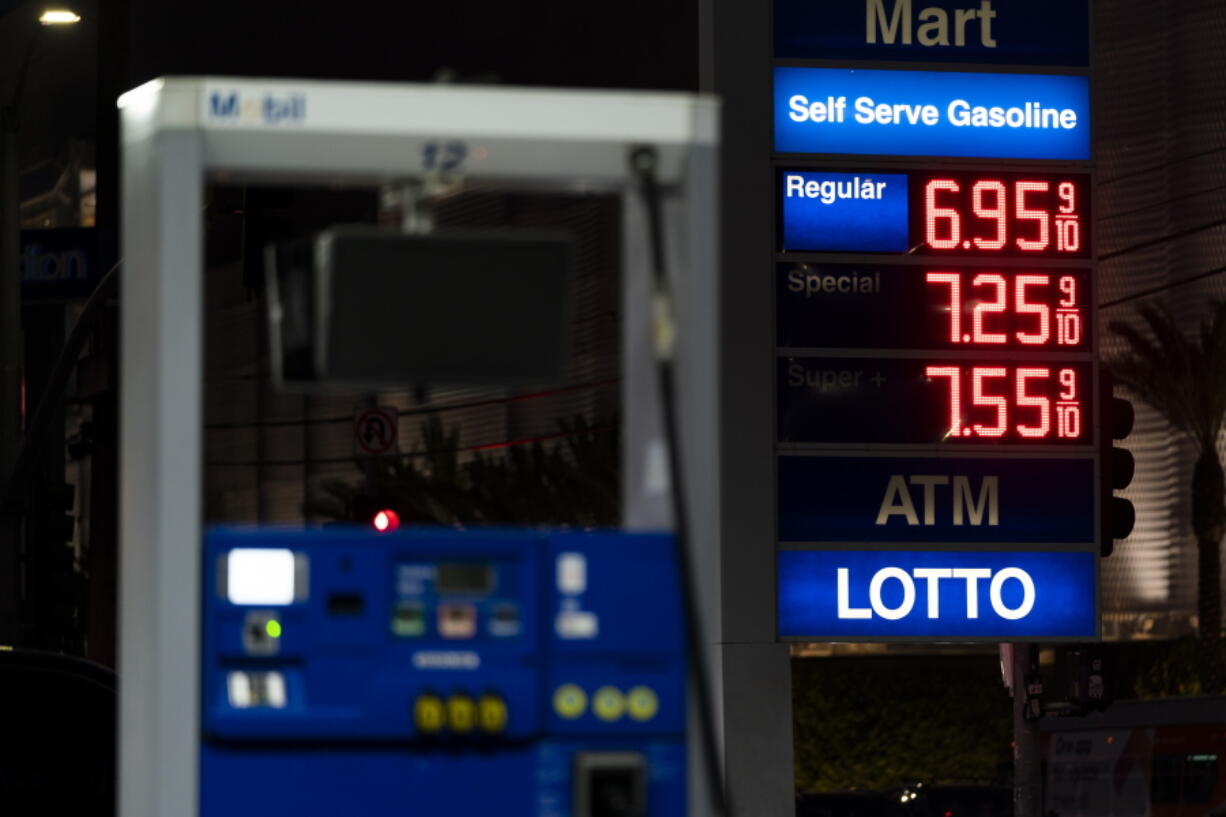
(343, 671)
(429, 672)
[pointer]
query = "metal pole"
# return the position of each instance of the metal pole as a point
(10, 372)
(1027, 768)
(10, 348)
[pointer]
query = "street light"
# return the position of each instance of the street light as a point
(10, 322)
(59, 17)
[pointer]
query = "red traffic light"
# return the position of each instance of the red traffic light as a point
(385, 520)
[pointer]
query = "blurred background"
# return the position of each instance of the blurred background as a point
(546, 455)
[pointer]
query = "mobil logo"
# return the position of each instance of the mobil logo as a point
(937, 594)
(269, 107)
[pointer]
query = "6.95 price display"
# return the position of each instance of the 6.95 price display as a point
(973, 214)
(1002, 214)
(933, 400)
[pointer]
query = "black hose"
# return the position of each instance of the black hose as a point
(643, 162)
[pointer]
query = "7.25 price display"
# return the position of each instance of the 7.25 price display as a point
(1029, 309)
(980, 306)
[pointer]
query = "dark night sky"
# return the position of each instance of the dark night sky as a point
(632, 44)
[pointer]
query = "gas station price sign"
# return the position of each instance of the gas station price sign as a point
(934, 400)
(935, 318)
(933, 306)
(953, 214)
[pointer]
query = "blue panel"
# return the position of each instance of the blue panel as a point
(638, 630)
(531, 780)
(355, 677)
(389, 619)
(862, 212)
(842, 499)
(814, 602)
(1014, 32)
(342, 780)
(836, 110)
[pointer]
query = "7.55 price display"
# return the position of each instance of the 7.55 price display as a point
(927, 400)
(1030, 402)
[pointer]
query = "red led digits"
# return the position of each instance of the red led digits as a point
(998, 404)
(1068, 222)
(994, 213)
(954, 280)
(1068, 409)
(1041, 239)
(955, 396)
(1043, 332)
(933, 214)
(1001, 215)
(1012, 311)
(1021, 310)
(995, 305)
(1068, 313)
(1012, 402)
(1043, 404)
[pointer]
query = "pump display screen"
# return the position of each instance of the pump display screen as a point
(933, 306)
(464, 579)
(934, 400)
(979, 214)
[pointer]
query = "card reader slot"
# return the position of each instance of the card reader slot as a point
(345, 604)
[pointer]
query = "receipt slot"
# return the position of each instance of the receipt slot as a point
(441, 672)
(262, 677)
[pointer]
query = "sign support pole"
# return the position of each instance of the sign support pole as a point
(1027, 769)
(755, 667)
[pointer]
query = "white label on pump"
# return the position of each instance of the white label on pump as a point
(572, 573)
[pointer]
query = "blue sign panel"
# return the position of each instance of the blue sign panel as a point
(845, 211)
(930, 113)
(937, 595)
(59, 264)
(1014, 32)
(930, 499)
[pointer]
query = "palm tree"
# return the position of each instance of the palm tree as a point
(1184, 378)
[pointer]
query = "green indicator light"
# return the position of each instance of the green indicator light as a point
(273, 628)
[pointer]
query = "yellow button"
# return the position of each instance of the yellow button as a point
(461, 714)
(491, 714)
(608, 703)
(429, 717)
(642, 703)
(569, 701)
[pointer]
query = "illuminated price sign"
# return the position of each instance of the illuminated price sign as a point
(933, 307)
(928, 400)
(935, 387)
(947, 213)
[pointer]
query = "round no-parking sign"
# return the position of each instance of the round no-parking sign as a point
(375, 431)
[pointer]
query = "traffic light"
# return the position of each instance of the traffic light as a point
(1089, 676)
(1116, 514)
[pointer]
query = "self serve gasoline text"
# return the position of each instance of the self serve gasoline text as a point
(959, 113)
